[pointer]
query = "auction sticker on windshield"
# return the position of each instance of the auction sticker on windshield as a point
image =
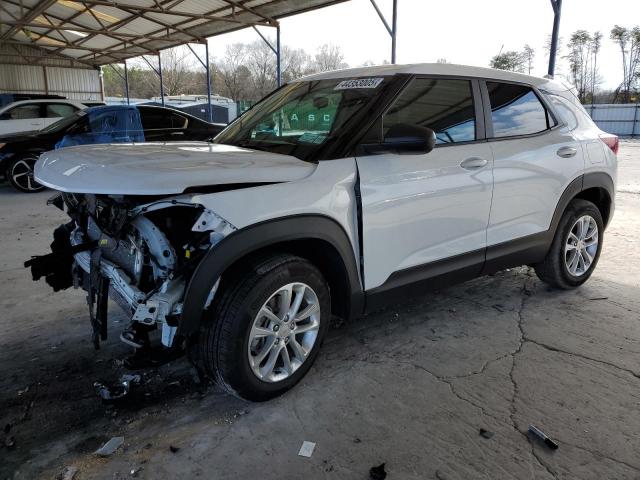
(359, 83)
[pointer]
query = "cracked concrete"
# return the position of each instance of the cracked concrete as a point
(410, 385)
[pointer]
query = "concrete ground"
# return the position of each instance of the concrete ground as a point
(409, 386)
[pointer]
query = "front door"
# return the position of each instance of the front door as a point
(422, 208)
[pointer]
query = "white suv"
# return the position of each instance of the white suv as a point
(30, 115)
(331, 196)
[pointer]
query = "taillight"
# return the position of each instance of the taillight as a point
(610, 141)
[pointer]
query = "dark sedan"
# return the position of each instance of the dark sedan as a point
(103, 124)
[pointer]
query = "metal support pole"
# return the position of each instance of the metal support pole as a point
(278, 58)
(206, 53)
(160, 75)
(636, 118)
(394, 30)
(557, 9)
(126, 81)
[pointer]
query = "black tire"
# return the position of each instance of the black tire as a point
(553, 269)
(20, 174)
(223, 342)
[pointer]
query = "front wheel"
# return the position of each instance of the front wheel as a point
(20, 174)
(576, 247)
(267, 326)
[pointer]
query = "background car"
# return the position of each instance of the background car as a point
(28, 115)
(105, 124)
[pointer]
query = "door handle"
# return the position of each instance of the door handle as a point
(566, 152)
(177, 133)
(473, 163)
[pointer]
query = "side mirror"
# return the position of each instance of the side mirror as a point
(404, 137)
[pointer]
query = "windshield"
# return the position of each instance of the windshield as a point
(303, 117)
(64, 122)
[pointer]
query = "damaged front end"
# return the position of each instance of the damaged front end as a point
(138, 251)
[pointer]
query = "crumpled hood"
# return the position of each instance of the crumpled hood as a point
(162, 168)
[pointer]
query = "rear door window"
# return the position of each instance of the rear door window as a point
(516, 110)
(54, 110)
(443, 105)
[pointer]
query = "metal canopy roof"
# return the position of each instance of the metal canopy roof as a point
(99, 32)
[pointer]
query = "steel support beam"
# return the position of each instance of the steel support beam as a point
(278, 58)
(160, 75)
(391, 29)
(557, 10)
(275, 50)
(126, 82)
(207, 69)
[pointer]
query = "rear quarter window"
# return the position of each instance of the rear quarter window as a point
(564, 110)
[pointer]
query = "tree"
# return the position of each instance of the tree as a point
(511, 60)
(296, 63)
(580, 44)
(529, 54)
(261, 62)
(233, 72)
(629, 42)
(328, 57)
(596, 44)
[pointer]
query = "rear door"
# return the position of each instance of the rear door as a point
(54, 111)
(162, 125)
(535, 158)
(418, 209)
(22, 118)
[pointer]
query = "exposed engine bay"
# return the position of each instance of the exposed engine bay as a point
(139, 251)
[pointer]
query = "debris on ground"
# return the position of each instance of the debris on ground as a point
(486, 433)
(377, 473)
(110, 447)
(498, 307)
(306, 450)
(599, 298)
(134, 471)
(69, 473)
(119, 391)
(536, 432)
(173, 449)
(10, 443)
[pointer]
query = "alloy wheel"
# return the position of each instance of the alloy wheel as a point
(581, 246)
(22, 175)
(284, 332)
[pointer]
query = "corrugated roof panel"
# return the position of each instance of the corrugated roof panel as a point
(185, 25)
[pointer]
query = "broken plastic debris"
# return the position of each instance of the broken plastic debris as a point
(486, 433)
(173, 449)
(117, 392)
(306, 450)
(378, 473)
(110, 447)
(69, 473)
(542, 436)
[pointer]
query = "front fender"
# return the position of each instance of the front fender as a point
(250, 239)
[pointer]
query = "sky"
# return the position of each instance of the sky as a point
(467, 32)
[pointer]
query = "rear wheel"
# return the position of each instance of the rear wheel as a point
(266, 328)
(20, 174)
(576, 247)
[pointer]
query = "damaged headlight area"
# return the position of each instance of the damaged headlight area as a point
(140, 252)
